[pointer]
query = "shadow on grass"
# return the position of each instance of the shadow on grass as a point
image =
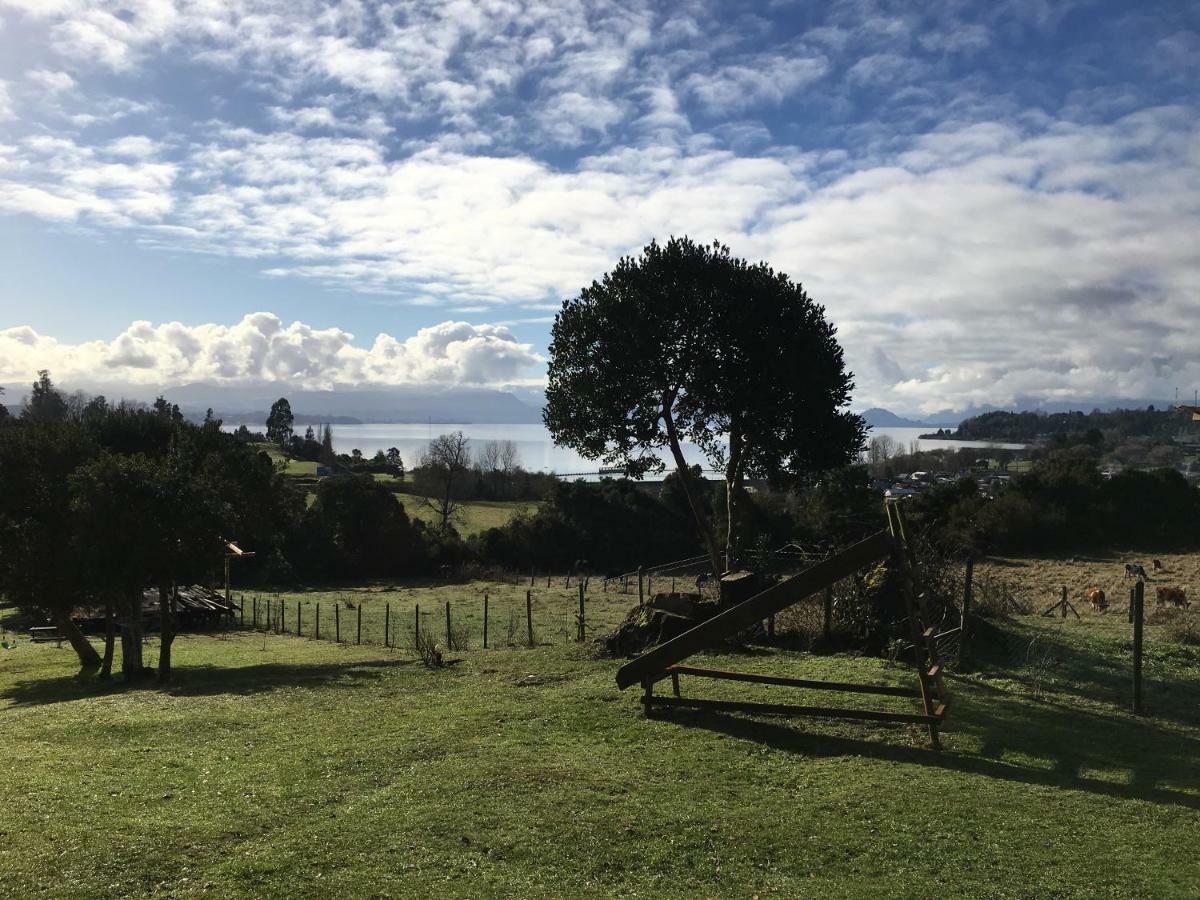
(207, 680)
(1019, 740)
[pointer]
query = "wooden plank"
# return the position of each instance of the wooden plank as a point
(886, 689)
(757, 608)
(785, 709)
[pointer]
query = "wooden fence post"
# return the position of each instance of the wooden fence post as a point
(358, 639)
(582, 629)
(1138, 601)
(771, 627)
(529, 616)
(337, 623)
(964, 623)
(827, 614)
(532, 573)
(318, 620)
(672, 584)
(387, 623)
(1064, 601)
(547, 579)
(485, 615)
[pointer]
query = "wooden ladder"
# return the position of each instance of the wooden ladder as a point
(934, 695)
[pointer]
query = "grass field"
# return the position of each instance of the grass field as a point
(476, 515)
(1040, 581)
(554, 610)
(283, 766)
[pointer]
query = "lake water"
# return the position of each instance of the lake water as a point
(538, 453)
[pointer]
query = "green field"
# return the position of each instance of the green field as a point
(284, 766)
(475, 515)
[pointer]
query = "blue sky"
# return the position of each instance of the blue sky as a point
(995, 201)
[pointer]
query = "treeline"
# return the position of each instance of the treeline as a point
(1063, 504)
(100, 502)
(1093, 427)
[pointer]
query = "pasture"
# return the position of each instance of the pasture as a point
(279, 765)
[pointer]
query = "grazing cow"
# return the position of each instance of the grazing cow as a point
(1134, 570)
(1158, 566)
(702, 580)
(1095, 598)
(1172, 595)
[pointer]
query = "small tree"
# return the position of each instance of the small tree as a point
(394, 461)
(440, 475)
(326, 456)
(280, 422)
(689, 344)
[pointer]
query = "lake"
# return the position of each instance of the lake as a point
(538, 453)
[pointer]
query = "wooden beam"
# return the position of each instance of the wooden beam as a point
(757, 608)
(886, 689)
(785, 709)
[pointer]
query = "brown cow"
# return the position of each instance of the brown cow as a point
(1095, 598)
(1174, 595)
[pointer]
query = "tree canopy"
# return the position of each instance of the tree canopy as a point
(279, 422)
(688, 344)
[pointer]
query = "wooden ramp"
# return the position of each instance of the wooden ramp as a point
(663, 661)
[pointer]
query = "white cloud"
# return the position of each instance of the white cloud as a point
(6, 108)
(51, 81)
(261, 348)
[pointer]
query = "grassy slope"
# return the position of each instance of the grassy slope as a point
(476, 515)
(282, 766)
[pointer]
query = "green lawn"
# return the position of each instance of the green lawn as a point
(283, 766)
(476, 515)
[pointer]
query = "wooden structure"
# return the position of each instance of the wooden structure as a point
(663, 661)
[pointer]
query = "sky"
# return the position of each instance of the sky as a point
(996, 202)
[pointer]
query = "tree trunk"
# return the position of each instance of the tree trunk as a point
(88, 657)
(110, 637)
(733, 486)
(166, 630)
(685, 478)
(132, 667)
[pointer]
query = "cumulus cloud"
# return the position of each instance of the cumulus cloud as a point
(262, 348)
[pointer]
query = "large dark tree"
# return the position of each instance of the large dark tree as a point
(280, 422)
(45, 403)
(686, 343)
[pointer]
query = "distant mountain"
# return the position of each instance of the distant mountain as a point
(399, 404)
(885, 418)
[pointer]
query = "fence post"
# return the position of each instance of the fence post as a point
(964, 624)
(337, 623)
(582, 629)
(1138, 598)
(827, 614)
(318, 620)
(485, 615)
(547, 579)
(387, 623)
(532, 572)
(672, 584)
(358, 639)
(529, 615)
(448, 630)
(299, 628)
(417, 625)
(1064, 601)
